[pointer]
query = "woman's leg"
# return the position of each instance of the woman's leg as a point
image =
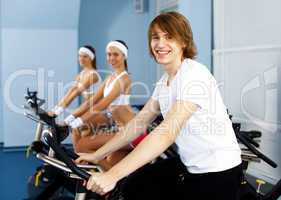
(114, 158)
(92, 143)
(87, 130)
(98, 121)
(78, 134)
(75, 136)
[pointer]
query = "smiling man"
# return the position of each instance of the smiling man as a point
(195, 119)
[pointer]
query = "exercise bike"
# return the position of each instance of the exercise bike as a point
(251, 154)
(47, 147)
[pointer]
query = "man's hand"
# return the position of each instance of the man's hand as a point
(86, 157)
(101, 183)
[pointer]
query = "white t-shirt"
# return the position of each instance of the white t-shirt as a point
(207, 142)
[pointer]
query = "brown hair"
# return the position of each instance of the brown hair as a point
(125, 61)
(94, 61)
(178, 27)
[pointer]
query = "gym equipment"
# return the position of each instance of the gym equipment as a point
(59, 158)
(251, 154)
(47, 146)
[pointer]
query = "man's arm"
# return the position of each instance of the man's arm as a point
(157, 142)
(131, 131)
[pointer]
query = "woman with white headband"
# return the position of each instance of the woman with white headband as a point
(86, 82)
(112, 96)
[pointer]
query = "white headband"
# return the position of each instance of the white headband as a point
(118, 45)
(87, 51)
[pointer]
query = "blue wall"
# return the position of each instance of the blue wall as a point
(45, 51)
(1, 99)
(39, 45)
(34, 14)
(199, 13)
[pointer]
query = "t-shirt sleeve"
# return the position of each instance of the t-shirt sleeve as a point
(195, 88)
(155, 94)
(157, 88)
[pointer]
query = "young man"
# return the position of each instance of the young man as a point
(195, 118)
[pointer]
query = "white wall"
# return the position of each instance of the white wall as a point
(199, 13)
(247, 62)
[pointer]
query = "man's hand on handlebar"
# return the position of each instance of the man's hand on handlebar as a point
(51, 114)
(101, 183)
(86, 157)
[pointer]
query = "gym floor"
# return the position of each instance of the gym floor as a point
(13, 182)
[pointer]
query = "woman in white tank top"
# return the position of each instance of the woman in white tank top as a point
(110, 103)
(86, 82)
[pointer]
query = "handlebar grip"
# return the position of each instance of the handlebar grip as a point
(255, 151)
(61, 154)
